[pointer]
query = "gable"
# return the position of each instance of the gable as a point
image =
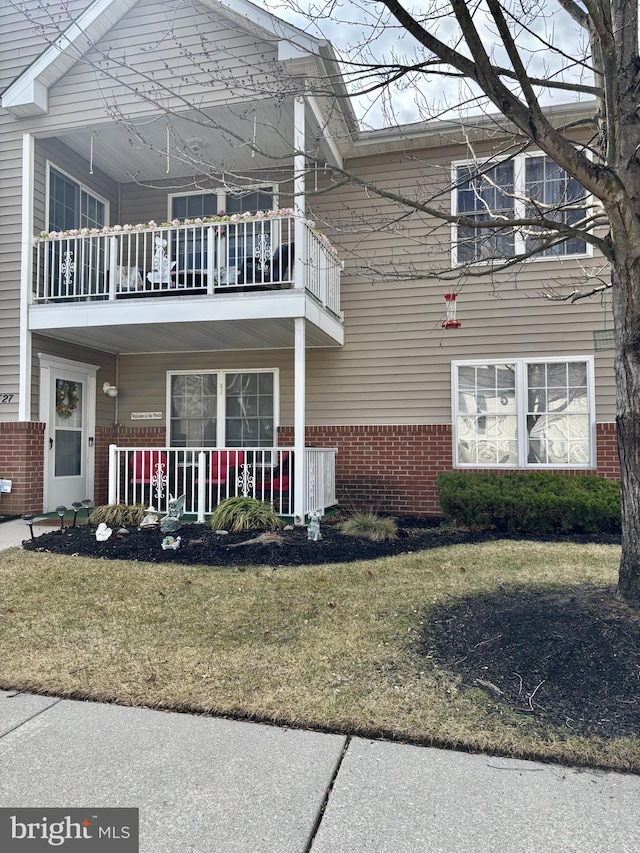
(29, 94)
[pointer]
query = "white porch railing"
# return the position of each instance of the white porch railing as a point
(127, 261)
(206, 476)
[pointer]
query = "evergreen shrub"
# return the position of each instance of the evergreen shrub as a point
(537, 502)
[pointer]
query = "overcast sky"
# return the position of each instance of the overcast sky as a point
(363, 31)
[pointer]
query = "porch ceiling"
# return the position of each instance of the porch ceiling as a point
(173, 326)
(213, 140)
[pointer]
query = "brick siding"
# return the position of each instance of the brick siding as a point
(22, 462)
(387, 468)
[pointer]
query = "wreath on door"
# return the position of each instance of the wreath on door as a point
(66, 398)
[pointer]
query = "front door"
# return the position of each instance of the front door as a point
(68, 391)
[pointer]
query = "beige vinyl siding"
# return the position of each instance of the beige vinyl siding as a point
(71, 352)
(396, 362)
(22, 42)
(153, 60)
(143, 378)
(76, 167)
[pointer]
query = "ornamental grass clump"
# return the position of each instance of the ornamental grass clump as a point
(118, 515)
(369, 525)
(239, 514)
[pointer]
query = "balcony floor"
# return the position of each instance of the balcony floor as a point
(258, 320)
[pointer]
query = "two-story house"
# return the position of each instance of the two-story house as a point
(195, 301)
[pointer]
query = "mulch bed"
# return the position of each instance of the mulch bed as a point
(570, 659)
(200, 545)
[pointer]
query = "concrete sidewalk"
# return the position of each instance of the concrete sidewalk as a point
(218, 786)
(13, 532)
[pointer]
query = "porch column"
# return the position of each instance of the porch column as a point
(299, 462)
(299, 203)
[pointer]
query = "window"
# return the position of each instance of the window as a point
(191, 254)
(73, 206)
(223, 409)
(527, 185)
(523, 413)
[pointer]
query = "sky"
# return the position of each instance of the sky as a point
(363, 31)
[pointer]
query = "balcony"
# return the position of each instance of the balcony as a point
(148, 476)
(252, 272)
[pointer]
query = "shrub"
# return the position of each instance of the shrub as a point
(118, 515)
(539, 502)
(239, 514)
(370, 525)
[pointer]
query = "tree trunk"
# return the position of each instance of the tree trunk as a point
(626, 310)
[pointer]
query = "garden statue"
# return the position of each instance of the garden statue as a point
(103, 532)
(151, 518)
(170, 544)
(171, 521)
(313, 529)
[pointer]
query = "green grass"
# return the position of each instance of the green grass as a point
(330, 647)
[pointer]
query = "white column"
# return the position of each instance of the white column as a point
(299, 202)
(112, 495)
(299, 467)
(26, 277)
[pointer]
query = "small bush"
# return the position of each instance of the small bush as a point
(239, 514)
(370, 525)
(539, 502)
(118, 515)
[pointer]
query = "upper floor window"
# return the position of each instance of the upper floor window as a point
(72, 205)
(527, 186)
(523, 413)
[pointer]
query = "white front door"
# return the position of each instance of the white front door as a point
(68, 403)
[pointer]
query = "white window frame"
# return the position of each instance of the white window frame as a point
(519, 174)
(221, 413)
(82, 187)
(521, 388)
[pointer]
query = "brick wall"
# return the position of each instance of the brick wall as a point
(123, 437)
(22, 462)
(386, 468)
(394, 468)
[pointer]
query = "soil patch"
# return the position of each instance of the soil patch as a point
(570, 659)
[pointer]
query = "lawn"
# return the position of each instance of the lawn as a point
(338, 647)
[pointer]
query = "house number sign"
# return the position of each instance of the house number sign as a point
(6, 398)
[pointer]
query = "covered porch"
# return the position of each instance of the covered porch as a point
(206, 476)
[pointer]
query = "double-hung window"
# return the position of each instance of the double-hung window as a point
(526, 186)
(521, 413)
(223, 408)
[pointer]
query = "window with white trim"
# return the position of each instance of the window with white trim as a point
(521, 413)
(525, 186)
(191, 253)
(223, 408)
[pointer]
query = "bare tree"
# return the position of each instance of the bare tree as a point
(509, 58)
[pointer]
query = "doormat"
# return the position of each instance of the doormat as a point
(8, 518)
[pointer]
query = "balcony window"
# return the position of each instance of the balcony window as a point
(523, 413)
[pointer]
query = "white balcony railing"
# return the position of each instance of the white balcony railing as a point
(206, 476)
(198, 257)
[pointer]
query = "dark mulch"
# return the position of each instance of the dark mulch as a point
(570, 659)
(201, 545)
